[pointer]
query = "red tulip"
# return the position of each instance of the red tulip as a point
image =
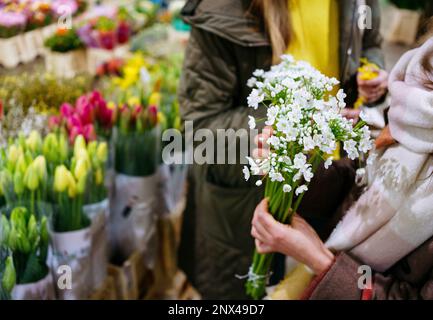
(123, 32)
(153, 115)
(1, 110)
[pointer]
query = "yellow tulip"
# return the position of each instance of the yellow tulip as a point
(155, 99)
(81, 185)
(31, 178)
(102, 152)
(111, 105)
(14, 153)
(133, 101)
(80, 144)
(34, 141)
(61, 181)
(41, 167)
(81, 168)
(21, 164)
(99, 178)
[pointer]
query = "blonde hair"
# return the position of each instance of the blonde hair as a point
(276, 20)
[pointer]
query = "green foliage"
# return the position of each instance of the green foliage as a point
(26, 238)
(64, 40)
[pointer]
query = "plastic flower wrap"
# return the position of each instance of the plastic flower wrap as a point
(307, 125)
(26, 238)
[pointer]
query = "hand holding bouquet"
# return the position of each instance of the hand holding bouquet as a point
(306, 125)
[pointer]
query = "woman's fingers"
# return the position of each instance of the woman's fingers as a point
(260, 153)
(263, 231)
(262, 248)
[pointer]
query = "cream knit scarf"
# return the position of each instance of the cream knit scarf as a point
(395, 214)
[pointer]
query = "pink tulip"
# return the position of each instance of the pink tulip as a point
(74, 121)
(89, 132)
(66, 110)
(85, 110)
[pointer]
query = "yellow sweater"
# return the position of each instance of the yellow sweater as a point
(315, 29)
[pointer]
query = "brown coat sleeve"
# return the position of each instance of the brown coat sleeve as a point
(340, 282)
(410, 279)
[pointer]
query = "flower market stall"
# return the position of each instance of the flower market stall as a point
(88, 209)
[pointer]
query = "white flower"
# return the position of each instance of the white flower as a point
(350, 147)
(308, 143)
(251, 122)
(272, 115)
(287, 188)
(246, 172)
(258, 73)
(251, 82)
(255, 98)
(328, 162)
(299, 161)
(308, 174)
(259, 183)
(301, 189)
(340, 97)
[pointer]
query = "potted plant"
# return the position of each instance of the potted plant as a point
(66, 56)
(26, 238)
(11, 25)
(39, 15)
(107, 37)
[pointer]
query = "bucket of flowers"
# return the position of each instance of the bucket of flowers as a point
(65, 56)
(136, 159)
(25, 237)
(39, 15)
(24, 181)
(12, 24)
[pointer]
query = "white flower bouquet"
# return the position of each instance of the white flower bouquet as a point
(307, 127)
